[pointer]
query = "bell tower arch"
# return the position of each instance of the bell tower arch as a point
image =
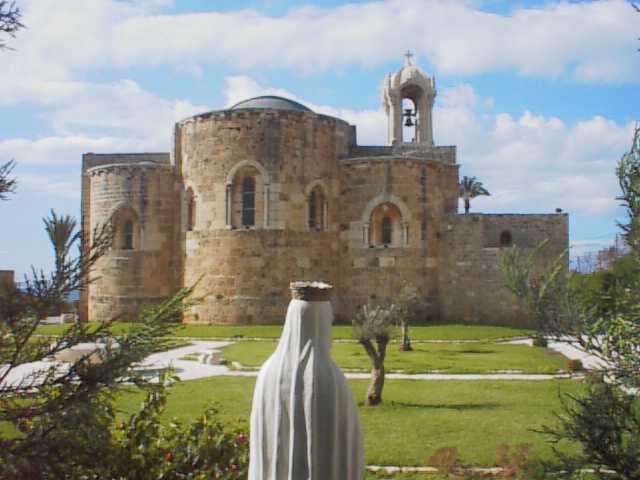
(410, 83)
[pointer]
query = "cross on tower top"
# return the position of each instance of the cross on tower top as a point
(407, 57)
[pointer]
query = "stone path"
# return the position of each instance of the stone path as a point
(191, 370)
(188, 369)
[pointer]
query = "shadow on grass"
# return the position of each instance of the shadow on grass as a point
(441, 406)
(476, 352)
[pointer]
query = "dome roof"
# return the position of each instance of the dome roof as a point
(270, 101)
(408, 74)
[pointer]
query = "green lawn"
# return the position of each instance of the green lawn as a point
(340, 332)
(425, 358)
(415, 419)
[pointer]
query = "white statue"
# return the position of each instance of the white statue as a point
(304, 421)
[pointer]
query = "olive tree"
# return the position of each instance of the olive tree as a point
(372, 328)
(605, 419)
(408, 306)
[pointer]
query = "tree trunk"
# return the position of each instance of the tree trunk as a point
(467, 205)
(374, 392)
(405, 346)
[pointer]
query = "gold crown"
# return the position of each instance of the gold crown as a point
(310, 291)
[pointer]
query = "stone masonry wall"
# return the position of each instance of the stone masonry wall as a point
(244, 271)
(471, 281)
(424, 189)
(7, 276)
(128, 279)
(248, 270)
(247, 273)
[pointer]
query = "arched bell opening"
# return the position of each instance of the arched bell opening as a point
(409, 120)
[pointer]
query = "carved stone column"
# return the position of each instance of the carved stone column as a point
(229, 195)
(266, 205)
(365, 234)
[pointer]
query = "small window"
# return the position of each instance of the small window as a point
(248, 202)
(317, 209)
(313, 210)
(127, 229)
(191, 210)
(505, 239)
(386, 230)
(127, 243)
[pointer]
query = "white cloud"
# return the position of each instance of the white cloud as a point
(371, 124)
(534, 163)
(123, 106)
(591, 41)
(61, 186)
(68, 150)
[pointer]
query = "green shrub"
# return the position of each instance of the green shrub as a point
(574, 366)
(150, 446)
(540, 341)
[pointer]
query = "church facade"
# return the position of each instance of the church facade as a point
(268, 192)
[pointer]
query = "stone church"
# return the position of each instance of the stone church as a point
(267, 192)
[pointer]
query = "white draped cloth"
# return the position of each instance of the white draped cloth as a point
(304, 421)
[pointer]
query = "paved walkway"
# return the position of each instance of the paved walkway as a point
(191, 369)
(188, 369)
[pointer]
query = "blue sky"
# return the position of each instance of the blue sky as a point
(540, 97)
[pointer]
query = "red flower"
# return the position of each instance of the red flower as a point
(168, 456)
(234, 467)
(241, 438)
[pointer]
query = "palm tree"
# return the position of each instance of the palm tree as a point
(469, 188)
(61, 233)
(60, 230)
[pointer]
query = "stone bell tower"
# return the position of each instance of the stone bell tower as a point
(407, 97)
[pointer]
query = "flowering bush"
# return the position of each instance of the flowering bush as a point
(149, 446)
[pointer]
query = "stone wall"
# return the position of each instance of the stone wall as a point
(146, 272)
(247, 272)
(384, 217)
(471, 281)
(424, 189)
(7, 276)
(248, 268)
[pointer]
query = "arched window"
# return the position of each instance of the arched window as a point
(386, 226)
(125, 222)
(191, 210)
(409, 120)
(317, 209)
(313, 210)
(386, 230)
(127, 240)
(247, 196)
(248, 202)
(506, 240)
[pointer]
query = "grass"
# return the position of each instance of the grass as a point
(340, 332)
(415, 419)
(477, 358)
